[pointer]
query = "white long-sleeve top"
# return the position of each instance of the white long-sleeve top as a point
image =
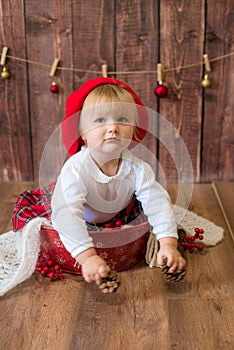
(83, 193)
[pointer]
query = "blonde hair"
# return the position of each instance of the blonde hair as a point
(108, 96)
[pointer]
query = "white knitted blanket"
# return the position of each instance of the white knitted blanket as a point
(19, 254)
(19, 250)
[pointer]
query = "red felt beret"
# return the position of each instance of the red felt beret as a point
(71, 139)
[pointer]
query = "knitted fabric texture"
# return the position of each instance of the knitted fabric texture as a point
(19, 254)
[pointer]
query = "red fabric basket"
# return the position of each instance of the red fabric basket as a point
(121, 248)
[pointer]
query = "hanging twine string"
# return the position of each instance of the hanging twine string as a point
(119, 72)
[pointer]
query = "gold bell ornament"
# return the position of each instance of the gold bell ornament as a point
(205, 81)
(5, 73)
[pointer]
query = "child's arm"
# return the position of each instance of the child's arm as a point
(169, 254)
(94, 268)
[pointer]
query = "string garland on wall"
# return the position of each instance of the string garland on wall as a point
(161, 90)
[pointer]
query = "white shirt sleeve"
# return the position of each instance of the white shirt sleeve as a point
(155, 202)
(67, 210)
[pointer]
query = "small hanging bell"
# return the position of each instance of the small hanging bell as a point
(206, 81)
(5, 74)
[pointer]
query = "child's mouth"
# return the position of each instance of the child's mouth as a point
(111, 139)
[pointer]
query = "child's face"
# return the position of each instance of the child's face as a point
(107, 129)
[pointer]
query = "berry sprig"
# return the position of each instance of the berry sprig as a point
(191, 243)
(48, 268)
(113, 224)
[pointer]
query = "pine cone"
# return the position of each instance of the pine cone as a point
(110, 283)
(172, 277)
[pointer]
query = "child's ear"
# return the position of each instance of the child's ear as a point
(84, 139)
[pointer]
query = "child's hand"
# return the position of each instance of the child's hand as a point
(94, 269)
(169, 255)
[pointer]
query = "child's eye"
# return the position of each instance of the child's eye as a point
(122, 120)
(100, 120)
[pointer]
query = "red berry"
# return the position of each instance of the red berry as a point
(38, 269)
(51, 275)
(46, 269)
(188, 238)
(57, 268)
(42, 259)
(191, 250)
(43, 272)
(183, 244)
(39, 264)
(200, 247)
(49, 262)
(200, 237)
(201, 231)
(110, 224)
(118, 223)
(197, 230)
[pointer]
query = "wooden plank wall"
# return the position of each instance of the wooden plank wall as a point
(128, 36)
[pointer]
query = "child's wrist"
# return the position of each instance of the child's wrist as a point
(85, 255)
(168, 241)
(168, 244)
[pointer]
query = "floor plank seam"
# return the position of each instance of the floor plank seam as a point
(223, 210)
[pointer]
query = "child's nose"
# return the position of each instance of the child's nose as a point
(112, 126)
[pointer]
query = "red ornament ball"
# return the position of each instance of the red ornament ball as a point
(161, 91)
(53, 88)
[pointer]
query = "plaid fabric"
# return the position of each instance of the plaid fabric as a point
(31, 204)
(37, 203)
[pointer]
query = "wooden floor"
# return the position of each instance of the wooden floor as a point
(146, 313)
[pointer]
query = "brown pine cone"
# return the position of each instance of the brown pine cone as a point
(110, 283)
(172, 277)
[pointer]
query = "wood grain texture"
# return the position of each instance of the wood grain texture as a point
(127, 36)
(208, 281)
(49, 35)
(138, 322)
(202, 332)
(15, 148)
(225, 195)
(182, 26)
(94, 38)
(145, 312)
(218, 143)
(137, 49)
